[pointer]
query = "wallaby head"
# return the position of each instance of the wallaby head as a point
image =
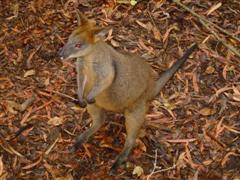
(82, 40)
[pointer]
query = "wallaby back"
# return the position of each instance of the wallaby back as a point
(132, 80)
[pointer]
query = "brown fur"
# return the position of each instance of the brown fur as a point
(111, 81)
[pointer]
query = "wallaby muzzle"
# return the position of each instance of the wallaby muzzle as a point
(63, 53)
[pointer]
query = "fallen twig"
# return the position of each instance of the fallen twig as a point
(181, 140)
(29, 59)
(51, 146)
(157, 169)
(230, 47)
(206, 23)
(205, 20)
(26, 103)
(216, 140)
(7, 147)
(21, 130)
(61, 94)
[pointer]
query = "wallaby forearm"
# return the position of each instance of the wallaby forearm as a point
(104, 75)
(81, 82)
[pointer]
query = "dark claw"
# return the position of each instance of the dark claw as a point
(75, 147)
(112, 171)
(82, 104)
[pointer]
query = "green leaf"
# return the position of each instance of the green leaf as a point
(133, 2)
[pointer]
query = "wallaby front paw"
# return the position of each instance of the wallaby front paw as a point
(91, 100)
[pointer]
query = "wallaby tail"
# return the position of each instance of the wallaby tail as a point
(165, 76)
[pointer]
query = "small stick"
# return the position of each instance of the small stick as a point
(61, 94)
(51, 146)
(204, 19)
(21, 130)
(158, 169)
(29, 59)
(230, 47)
(7, 147)
(27, 103)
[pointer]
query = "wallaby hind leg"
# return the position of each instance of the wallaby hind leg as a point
(134, 120)
(98, 116)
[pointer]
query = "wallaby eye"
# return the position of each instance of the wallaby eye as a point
(78, 45)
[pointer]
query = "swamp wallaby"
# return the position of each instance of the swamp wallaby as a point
(110, 81)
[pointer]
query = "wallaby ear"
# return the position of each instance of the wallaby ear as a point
(100, 32)
(81, 19)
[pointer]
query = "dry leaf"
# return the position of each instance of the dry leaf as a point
(30, 57)
(66, 14)
(214, 8)
(142, 45)
(67, 177)
(118, 15)
(86, 148)
(236, 94)
(12, 106)
(20, 55)
(133, 2)
(77, 108)
(195, 82)
(224, 73)
(142, 133)
(207, 162)
(29, 166)
(181, 162)
(32, 6)
(149, 26)
(141, 24)
(138, 170)
(236, 97)
(50, 169)
(114, 43)
(141, 145)
(28, 102)
(226, 157)
(207, 111)
(236, 90)
(1, 166)
(168, 106)
(47, 81)
(226, 69)
(165, 36)
(16, 10)
(56, 121)
(156, 33)
(210, 70)
(29, 73)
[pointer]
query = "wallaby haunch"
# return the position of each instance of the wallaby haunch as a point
(110, 81)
